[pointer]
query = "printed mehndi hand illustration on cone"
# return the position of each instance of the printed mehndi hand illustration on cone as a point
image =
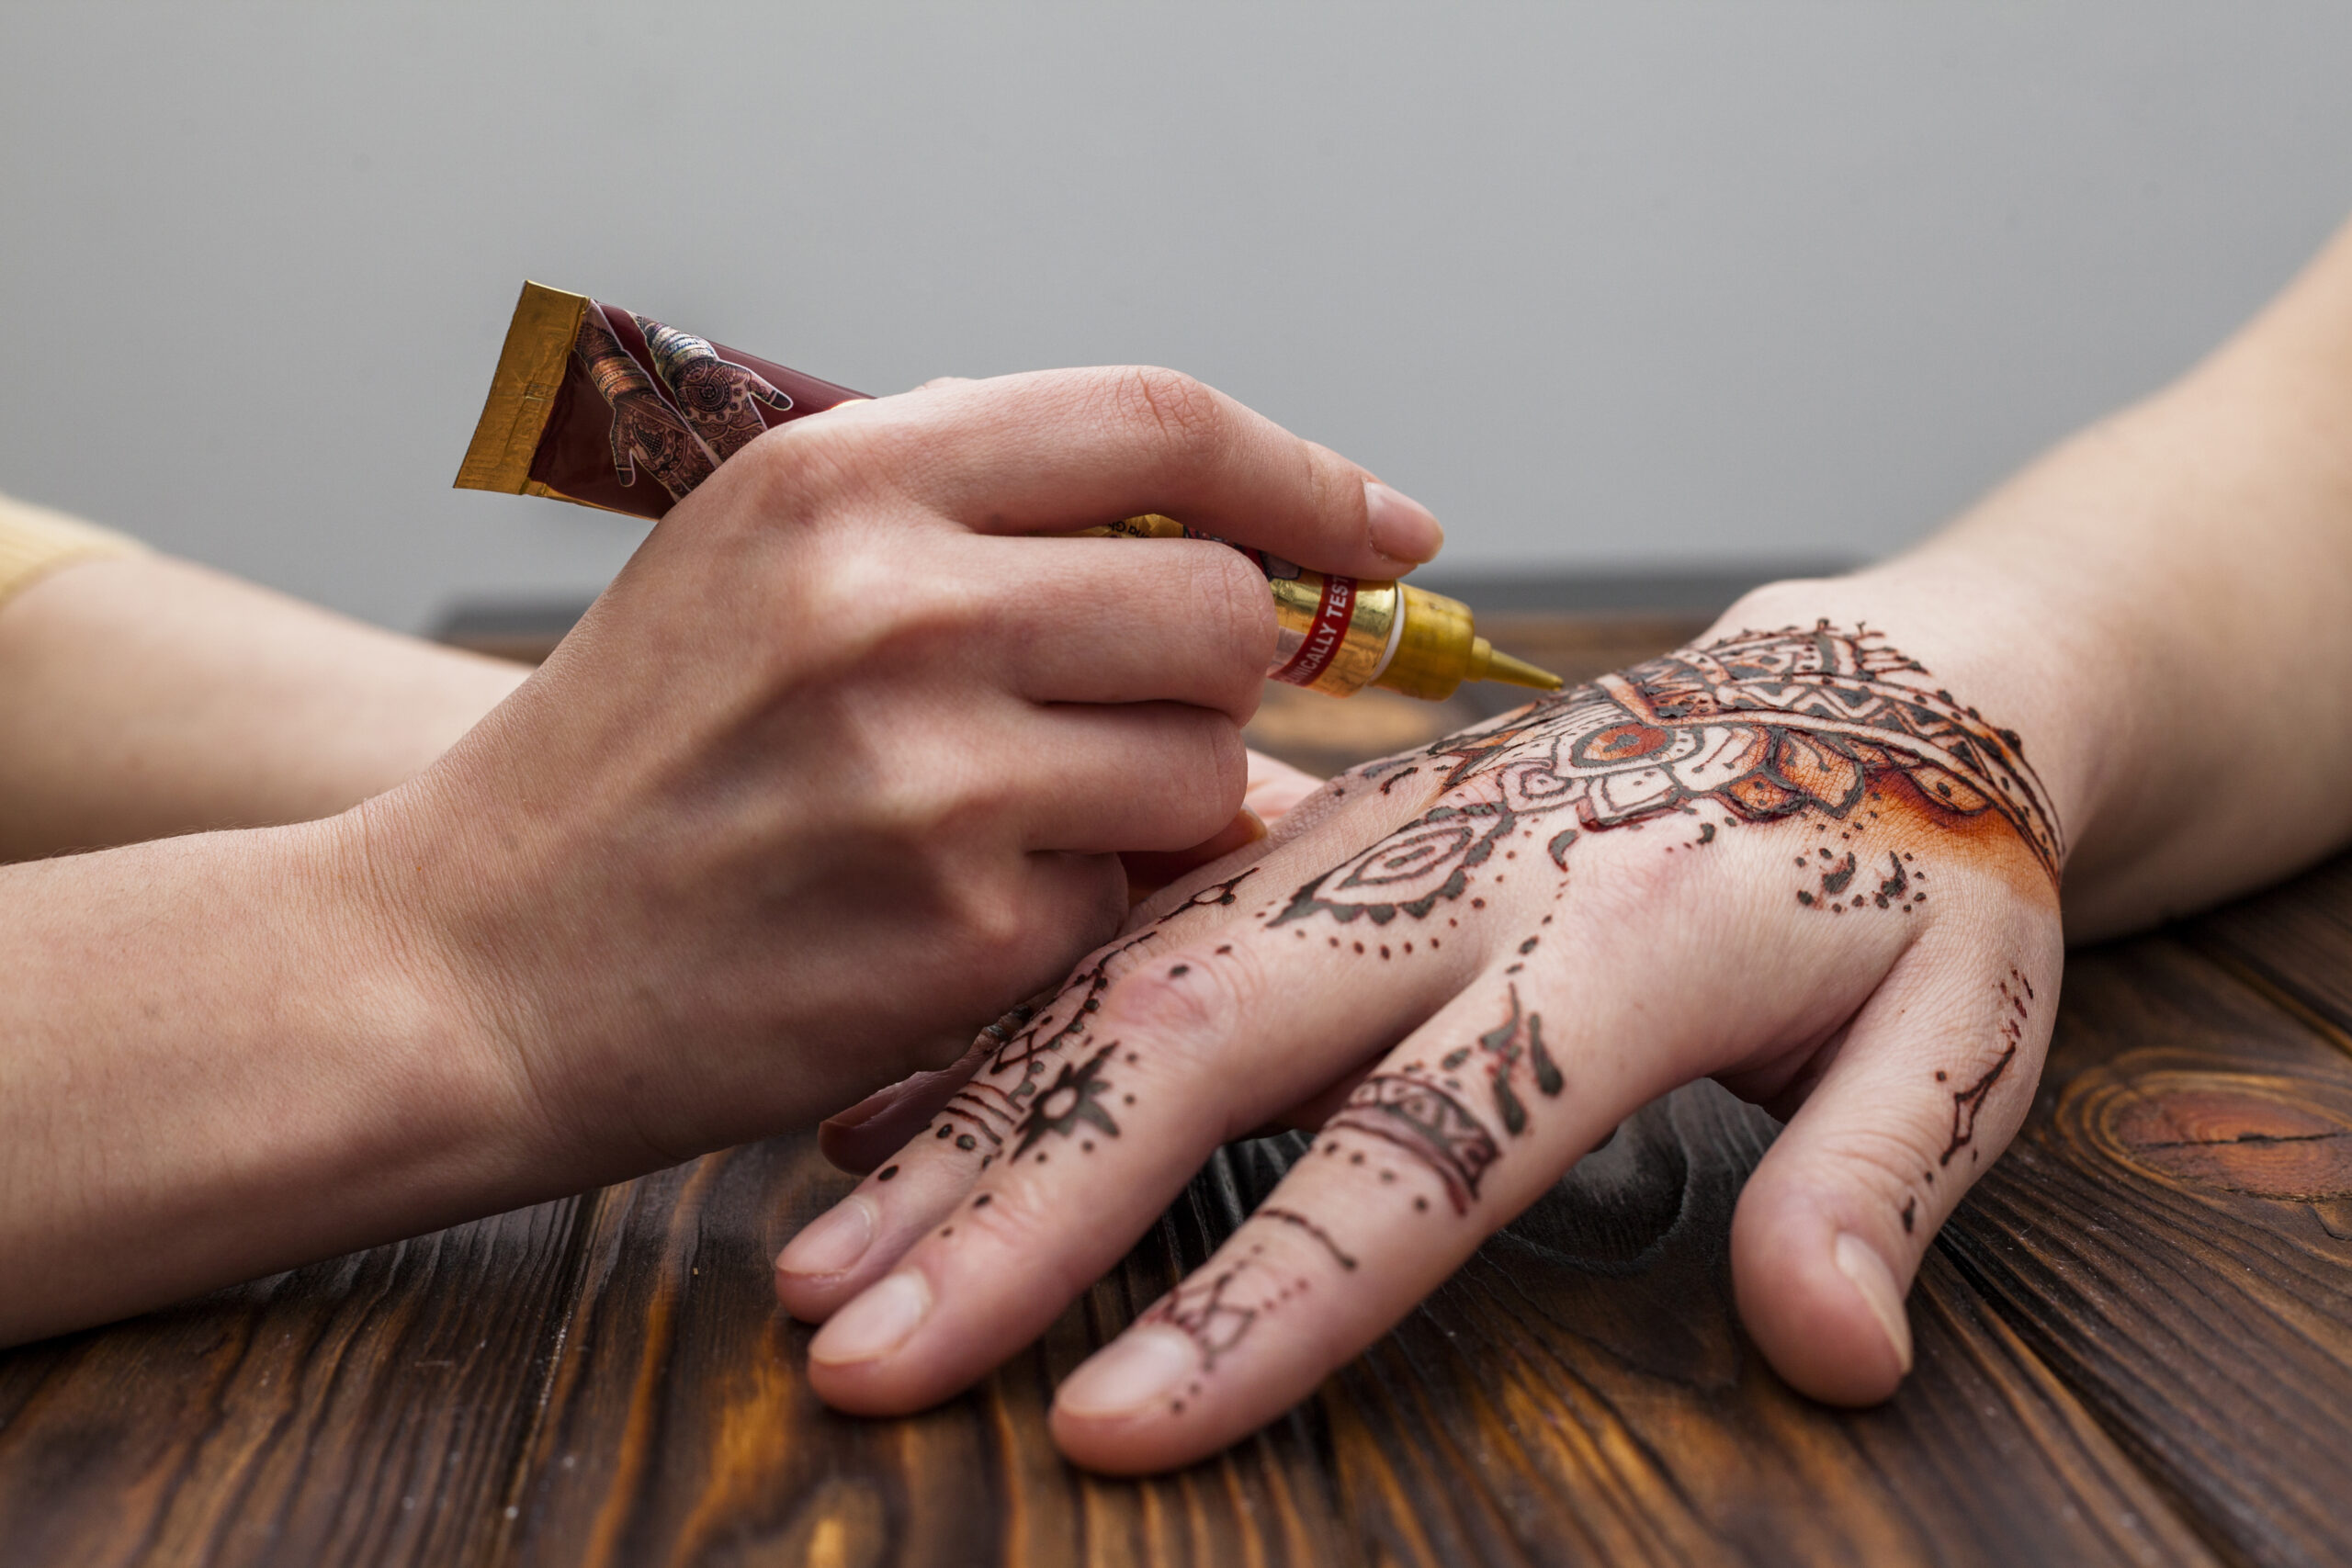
(715, 393)
(679, 405)
(645, 429)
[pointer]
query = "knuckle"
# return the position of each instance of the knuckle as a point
(1887, 1159)
(1228, 599)
(1229, 764)
(820, 460)
(872, 610)
(1188, 1002)
(796, 473)
(990, 920)
(1024, 1217)
(1186, 416)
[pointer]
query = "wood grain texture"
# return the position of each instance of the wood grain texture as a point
(366, 1410)
(2294, 941)
(2170, 1233)
(1580, 1394)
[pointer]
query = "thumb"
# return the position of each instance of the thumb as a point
(1929, 1082)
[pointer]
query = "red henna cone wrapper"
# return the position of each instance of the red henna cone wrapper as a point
(593, 405)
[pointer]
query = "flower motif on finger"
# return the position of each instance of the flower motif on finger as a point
(1071, 1101)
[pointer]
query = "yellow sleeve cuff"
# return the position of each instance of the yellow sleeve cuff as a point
(35, 541)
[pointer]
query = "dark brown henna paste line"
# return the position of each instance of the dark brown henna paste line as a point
(1072, 1099)
(1518, 1038)
(1428, 1124)
(964, 1113)
(1968, 1103)
(1025, 1049)
(1198, 1307)
(1293, 1217)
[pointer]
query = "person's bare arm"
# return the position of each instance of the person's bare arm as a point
(144, 696)
(2191, 560)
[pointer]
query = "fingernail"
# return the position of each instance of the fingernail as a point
(1130, 1374)
(834, 1242)
(1861, 1264)
(1401, 528)
(876, 1323)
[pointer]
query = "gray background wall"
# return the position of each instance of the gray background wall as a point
(1633, 285)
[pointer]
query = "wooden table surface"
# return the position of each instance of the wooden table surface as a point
(2134, 1346)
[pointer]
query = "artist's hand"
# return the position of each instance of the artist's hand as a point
(1789, 860)
(836, 768)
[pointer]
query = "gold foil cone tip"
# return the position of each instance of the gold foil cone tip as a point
(1501, 666)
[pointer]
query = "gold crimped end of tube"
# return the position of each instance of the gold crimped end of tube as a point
(522, 391)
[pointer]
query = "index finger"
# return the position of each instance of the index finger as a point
(1052, 451)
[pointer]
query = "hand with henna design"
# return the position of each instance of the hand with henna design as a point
(1789, 856)
(1807, 856)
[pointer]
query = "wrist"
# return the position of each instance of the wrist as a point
(442, 1022)
(2001, 645)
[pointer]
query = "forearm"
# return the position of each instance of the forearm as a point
(2162, 607)
(220, 1058)
(147, 696)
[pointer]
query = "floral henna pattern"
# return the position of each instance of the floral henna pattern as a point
(1071, 1101)
(1765, 725)
(719, 398)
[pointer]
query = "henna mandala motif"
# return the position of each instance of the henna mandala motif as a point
(718, 396)
(1765, 725)
(644, 429)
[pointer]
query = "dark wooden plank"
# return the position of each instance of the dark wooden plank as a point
(2171, 1234)
(1580, 1393)
(368, 1410)
(2295, 940)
